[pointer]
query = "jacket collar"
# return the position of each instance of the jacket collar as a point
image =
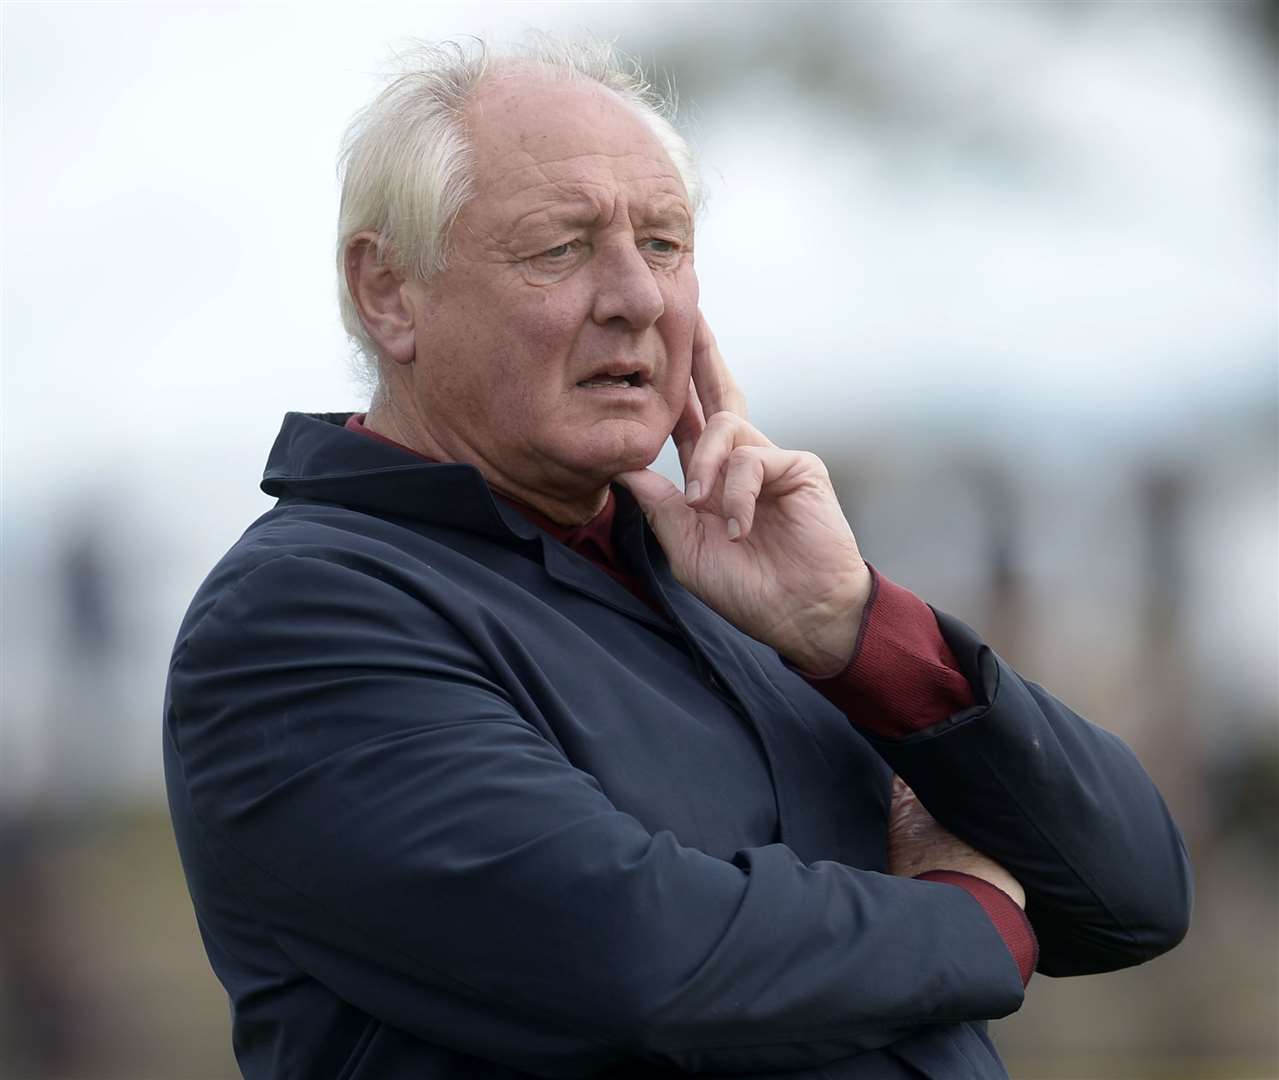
(315, 457)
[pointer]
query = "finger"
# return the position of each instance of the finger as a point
(662, 503)
(688, 428)
(743, 479)
(749, 473)
(724, 432)
(716, 387)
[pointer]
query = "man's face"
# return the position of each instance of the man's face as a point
(556, 347)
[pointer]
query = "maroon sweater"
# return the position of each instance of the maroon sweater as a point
(902, 678)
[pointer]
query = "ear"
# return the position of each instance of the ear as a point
(377, 289)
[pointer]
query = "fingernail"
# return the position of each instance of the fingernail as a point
(693, 492)
(734, 530)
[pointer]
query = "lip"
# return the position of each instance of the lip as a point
(614, 391)
(638, 376)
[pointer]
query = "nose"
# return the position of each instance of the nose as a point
(626, 288)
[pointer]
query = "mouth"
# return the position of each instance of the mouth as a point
(615, 380)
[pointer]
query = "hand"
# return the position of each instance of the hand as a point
(916, 843)
(757, 533)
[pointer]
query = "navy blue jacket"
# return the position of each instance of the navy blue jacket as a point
(452, 802)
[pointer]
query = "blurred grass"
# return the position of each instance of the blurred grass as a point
(1139, 1068)
(128, 959)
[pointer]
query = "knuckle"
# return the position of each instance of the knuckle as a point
(813, 463)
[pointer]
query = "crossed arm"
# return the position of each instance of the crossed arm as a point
(413, 842)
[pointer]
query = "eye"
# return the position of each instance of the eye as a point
(561, 251)
(554, 263)
(659, 251)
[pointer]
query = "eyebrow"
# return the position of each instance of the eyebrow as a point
(672, 216)
(577, 213)
(585, 213)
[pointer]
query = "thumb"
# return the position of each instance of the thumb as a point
(662, 502)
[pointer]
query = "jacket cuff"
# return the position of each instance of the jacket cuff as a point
(1008, 918)
(902, 677)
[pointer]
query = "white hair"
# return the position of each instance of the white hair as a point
(406, 161)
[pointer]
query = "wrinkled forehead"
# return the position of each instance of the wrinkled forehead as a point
(527, 128)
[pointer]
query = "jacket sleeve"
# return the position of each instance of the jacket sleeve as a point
(415, 844)
(1063, 805)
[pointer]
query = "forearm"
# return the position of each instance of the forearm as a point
(645, 951)
(1064, 805)
(902, 677)
(1060, 804)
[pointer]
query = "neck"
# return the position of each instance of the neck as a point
(564, 508)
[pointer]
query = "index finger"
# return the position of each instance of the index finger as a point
(689, 427)
(717, 390)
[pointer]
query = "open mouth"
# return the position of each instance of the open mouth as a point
(621, 381)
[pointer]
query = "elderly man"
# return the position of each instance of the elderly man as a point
(490, 752)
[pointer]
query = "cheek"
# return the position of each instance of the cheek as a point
(549, 320)
(678, 327)
(680, 295)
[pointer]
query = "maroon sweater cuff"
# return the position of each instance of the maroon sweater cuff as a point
(902, 676)
(1009, 919)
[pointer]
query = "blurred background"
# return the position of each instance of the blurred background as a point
(1010, 268)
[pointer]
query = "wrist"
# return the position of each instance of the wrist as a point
(1008, 918)
(824, 642)
(987, 870)
(902, 677)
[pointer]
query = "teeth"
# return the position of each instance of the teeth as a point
(607, 381)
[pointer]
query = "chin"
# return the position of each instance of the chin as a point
(630, 451)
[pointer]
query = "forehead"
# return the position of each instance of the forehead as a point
(528, 131)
